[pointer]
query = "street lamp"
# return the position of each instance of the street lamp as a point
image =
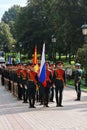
(53, 43)
(84, 32)
(20, 45)
(13, 47)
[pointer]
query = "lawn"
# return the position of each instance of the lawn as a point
(83, 87)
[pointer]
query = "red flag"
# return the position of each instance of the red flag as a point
(35, 59)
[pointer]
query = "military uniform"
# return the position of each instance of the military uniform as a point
(59, 80)
(78, 74)
(31, 83)
(19, 82)
(52, 85)
(23, 76)
(46, 88)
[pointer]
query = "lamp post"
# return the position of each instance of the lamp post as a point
(13, 48)
(84, 32)
(20, 44)
(53, 43)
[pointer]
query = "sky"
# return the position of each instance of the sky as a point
(6, 4)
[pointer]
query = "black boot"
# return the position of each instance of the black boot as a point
(33, 103)
(78, 96)
(30, 106)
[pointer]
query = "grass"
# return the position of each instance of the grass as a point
(83, 87)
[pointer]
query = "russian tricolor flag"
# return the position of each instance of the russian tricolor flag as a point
(42, 74)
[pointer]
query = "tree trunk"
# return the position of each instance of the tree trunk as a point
(69, 58)
(66, 56)
(59, 55)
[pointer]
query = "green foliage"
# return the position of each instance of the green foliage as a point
(42, 19)
(6, 38)
(81, 55)
(11, 14)
(71, 83)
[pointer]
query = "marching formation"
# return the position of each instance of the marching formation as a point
(24, 82)
(33, 82)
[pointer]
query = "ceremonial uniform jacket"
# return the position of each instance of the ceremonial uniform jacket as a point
(48, 76)
(23, 76)
(59, 74)
(78, 74)
(32, 76)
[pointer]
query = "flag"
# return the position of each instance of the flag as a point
(42, 74)
(36, 68)
(35, 59)
(10, 60)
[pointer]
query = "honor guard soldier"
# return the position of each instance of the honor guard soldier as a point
(19, 82)
(31, 83)
(9, 77)
(59, 81)
(24, 84)
(52, 68)
(48, 85)
(78, 74)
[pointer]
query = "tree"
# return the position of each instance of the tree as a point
(11, 14)
(37, 28)
(82, 56)
(6, 38)
(67, 23)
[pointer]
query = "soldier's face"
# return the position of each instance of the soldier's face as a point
(60, 66)
(77, 67)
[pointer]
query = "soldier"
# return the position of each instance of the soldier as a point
(78, 74)
(31, 83)
(59, 81)
(24, 84)
(19, 82)
(9, 78)
(52, 67)
(48, 85)
(2, 75)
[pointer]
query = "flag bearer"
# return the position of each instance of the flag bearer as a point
(48, 85)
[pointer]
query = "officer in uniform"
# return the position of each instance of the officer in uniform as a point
(31, 83)
(23, 75)
(48, 85)
(19, 82)
(78, 74)
(59, 81)
(52, 68)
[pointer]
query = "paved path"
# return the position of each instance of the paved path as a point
(14, 115)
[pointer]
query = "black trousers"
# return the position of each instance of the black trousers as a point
(19, 91)
(2, 80)
(41, 94)
(31, 93)
(58, 91)
(25, 93)
(51, 93)
(46, 93)
(78, 90)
